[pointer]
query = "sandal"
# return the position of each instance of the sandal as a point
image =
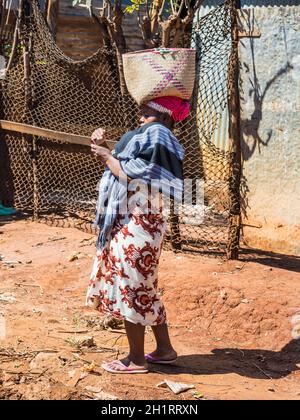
(154, 360)
(116, 366)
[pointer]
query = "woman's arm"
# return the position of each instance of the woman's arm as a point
(98, 147)
(115, 167)
(107, 159)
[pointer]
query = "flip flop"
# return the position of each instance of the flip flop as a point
(154, 360)
(121, 368)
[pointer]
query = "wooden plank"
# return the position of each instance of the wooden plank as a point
(79, 43)
(78, 37)
(75, 48)
(50, 134)
(76, 21)
(79, 27)
(249, 34)
(71, 36)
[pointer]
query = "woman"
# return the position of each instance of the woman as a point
(124, 277)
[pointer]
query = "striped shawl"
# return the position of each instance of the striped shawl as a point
(151, 154)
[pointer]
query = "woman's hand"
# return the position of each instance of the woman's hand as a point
(109, 160)
(98, 137)
(102, 152)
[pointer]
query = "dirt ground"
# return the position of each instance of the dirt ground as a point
(234, 324)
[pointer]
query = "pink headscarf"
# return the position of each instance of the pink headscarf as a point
(177, 108)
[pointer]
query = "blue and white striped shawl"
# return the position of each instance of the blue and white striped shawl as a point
(150, 153)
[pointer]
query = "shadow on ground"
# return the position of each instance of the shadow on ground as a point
(256, 364)
(271, 259)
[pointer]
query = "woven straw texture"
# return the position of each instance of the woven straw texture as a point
(150, 74)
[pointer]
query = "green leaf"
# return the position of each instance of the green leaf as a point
(129, 9)
(135, 6)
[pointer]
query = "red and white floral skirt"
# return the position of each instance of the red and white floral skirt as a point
(124, 276)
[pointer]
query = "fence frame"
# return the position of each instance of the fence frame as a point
(234, 220)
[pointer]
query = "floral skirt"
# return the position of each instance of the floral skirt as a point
(124, 277)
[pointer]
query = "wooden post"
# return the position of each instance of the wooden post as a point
(234, 141)
(175, 228)
(52, 16)
(27, 85)
(27, 51)
(35, 178)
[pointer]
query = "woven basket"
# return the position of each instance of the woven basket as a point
(159, 72)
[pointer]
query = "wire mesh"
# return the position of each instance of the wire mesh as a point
(57, 181)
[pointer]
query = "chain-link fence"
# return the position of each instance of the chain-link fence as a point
(56, 180)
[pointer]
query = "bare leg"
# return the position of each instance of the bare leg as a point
(136, 338)
(135, 361)
(164, 348)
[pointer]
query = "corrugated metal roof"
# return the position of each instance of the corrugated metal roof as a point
(220, 136)
(210, 112)
(254, 3)
(266, 3)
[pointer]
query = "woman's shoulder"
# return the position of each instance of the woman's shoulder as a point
(163, 136)
(159, 129)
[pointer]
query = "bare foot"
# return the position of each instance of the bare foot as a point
(128, 362)
(123, 366)
(165, 355)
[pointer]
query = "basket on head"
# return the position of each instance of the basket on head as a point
(150, 74)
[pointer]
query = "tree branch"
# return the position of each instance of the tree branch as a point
(103, 29)
(16, 36)
(156, 7)
(183, 3)
(145, 27)
(198, 4)
(172, 7)
(166, 27)
(161, 10)
(2, 16)
(147, 9)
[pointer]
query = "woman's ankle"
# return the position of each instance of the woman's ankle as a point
(165, 352)
(138, 360)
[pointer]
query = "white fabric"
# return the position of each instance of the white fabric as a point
(159, 108)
